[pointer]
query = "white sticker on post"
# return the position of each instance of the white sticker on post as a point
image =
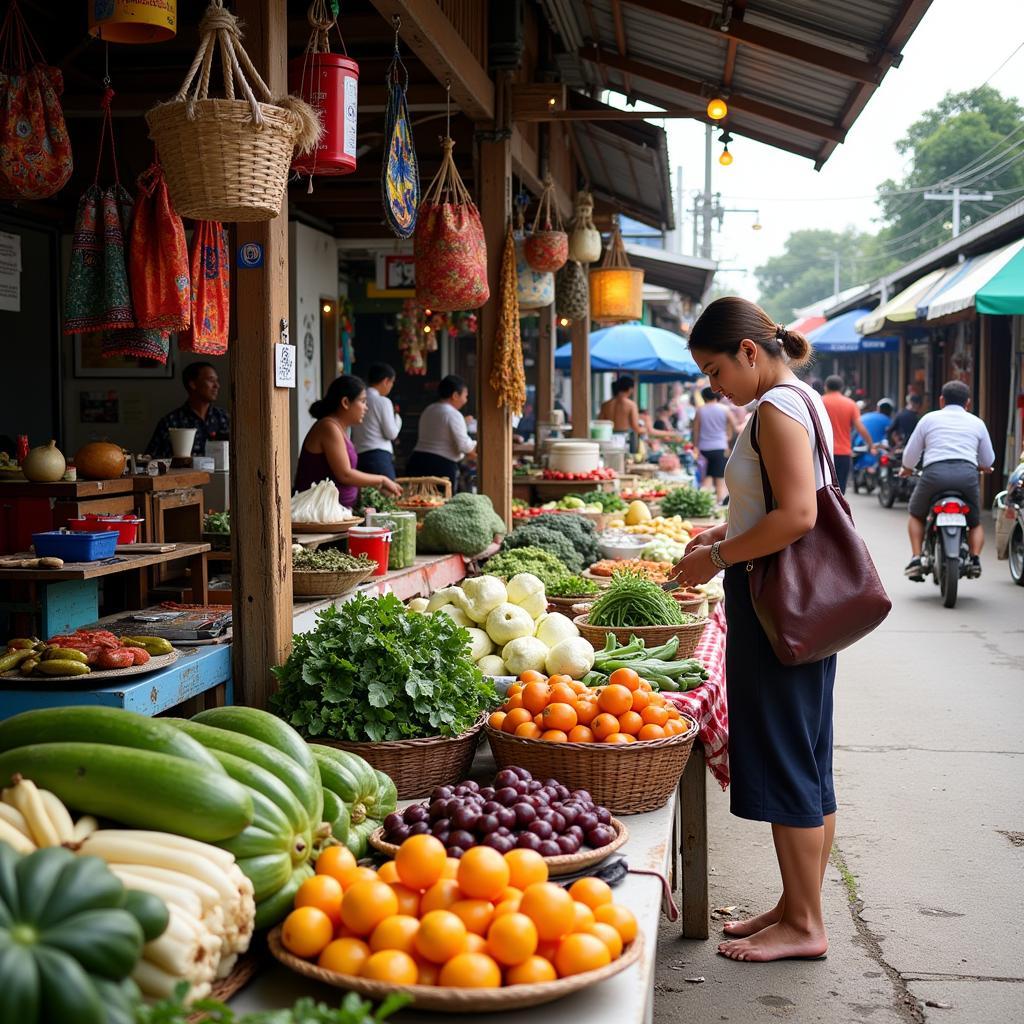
(284, 366)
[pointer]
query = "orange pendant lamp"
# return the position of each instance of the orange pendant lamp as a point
(134, 21)
(616, 288)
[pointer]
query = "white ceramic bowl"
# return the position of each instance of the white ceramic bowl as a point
(624, 547)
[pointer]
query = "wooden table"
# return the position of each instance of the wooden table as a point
(64, 599)
(200, 678)
(173, 506)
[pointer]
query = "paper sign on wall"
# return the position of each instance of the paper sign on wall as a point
(284, 366)
(10, 271)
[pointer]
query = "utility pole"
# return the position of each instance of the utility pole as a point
(706, 207)
(958, 197)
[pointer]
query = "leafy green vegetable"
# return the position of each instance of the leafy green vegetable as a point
(572, 586)
(633, 600)
(370, 497)
(330, 559)
(371, 670)
(466, 525)
(608, 501)
(548, 539)
(579, 531)
(544, 565)
(688, 503)
(217, 522)
(352, 1010)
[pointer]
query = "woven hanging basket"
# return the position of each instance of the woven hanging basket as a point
(547, 246)
(572, 294)
(616, 288)
(584, 238)
(228, 159)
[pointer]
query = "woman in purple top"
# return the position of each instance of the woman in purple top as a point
(712, 431)
(328, 454)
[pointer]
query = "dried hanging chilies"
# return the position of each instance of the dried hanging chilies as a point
(508, 377)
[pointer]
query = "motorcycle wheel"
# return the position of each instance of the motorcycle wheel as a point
(949, 576)
(1016, 556)
(886, 493)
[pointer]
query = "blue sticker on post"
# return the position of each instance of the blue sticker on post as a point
(250, 255)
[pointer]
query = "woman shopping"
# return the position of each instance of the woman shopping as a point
(328, 453)
(443, 440)
(780, 715)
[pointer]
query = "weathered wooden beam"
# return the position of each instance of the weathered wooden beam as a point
(738, 101)
(620, 39)
(526, 165)
(432, 37)
(545, 394)
(260, 441)
(763, 39)
(579, 334)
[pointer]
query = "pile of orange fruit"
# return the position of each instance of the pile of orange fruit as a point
(558, 709)
(484, 921)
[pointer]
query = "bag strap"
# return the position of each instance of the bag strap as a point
(828, 466)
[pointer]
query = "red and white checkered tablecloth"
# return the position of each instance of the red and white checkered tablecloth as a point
(706, 704)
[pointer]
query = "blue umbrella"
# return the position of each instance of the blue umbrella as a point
(635, 348)
(839, 335)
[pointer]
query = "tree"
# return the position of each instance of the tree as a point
(805, 272)
(972, 139)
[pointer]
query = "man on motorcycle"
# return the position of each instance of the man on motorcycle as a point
(905, 420)
(952, 445)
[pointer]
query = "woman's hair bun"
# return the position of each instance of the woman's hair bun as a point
(795, 345)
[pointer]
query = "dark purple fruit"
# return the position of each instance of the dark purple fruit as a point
(438, 809)
(456, 851)
(569, 812)
(557, 822)
(442, 837)
(399, 835)
(541, 829)
(466, 817)
(507, 843)
(600, 836)
(506, 817)
(603, 815)
(441, 825)
(501, 831)
(462, 789)
(462, 838)
(534, 786)
(587, 820)
(392, 821)
(582, 796)
(528, 841)
(568, 844)
(575, 830)
(506, 796)
(416, 813)
(492, 807)
(523, 773)
(525, 813)
(442, 793)
(487, 823)
(506, 777)
(492, 840)
(549, 848)
(562, 791)
(419, 828)
(487, 793)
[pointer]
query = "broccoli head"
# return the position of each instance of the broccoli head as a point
(548, 568)
(578, 530)
(531, 535)
(465, 525)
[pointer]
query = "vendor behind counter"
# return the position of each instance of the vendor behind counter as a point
(202, 385)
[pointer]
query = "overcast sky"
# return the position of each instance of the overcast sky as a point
(958, 44)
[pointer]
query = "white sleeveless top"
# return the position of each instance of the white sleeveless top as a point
(743, 471)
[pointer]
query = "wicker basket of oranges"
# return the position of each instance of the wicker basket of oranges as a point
(624, 742)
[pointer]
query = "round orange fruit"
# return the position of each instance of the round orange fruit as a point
(531, 971)
(420, 861)
(470, 970)
(346, 956)
(483, 873)
(591, 891)
(391, 965)
(366, 904)
(336, 861)
(306, 932)
(615, 699)
(323, 892)
(525, 867)
(476, 915)
(580, 952)
(512, 939)
(408, 899)
(395, 932)
(441, 895)
(441, 936)
(620, 918)
(609, 936)
(550, 908)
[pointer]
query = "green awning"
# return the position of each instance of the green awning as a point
(1003, 295)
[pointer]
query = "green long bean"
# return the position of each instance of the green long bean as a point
(632, 600)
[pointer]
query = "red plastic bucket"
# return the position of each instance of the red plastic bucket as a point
(127, 527)
(328, 82)
(372, 541)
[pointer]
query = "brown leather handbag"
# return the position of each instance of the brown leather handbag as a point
(822, 592)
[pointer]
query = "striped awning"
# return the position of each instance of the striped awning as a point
(958, 294)
(1004, 293)
(901, 308)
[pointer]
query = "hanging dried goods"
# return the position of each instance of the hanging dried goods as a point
(508, 376)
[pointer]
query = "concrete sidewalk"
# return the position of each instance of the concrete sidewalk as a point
(924, 900)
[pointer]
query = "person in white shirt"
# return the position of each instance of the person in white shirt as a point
(443, 439)
(374, 438)
(952, 445)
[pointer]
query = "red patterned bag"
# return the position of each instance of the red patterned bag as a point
(448, 247)
(547, 246)
(35, 149)
(211, 292)
(158, 258)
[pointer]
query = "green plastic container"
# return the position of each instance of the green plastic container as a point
(403, 536)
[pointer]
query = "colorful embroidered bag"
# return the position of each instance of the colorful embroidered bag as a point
(35, 149)
(448, 247)
(400, 175)
(533, 288)
(547, 246)
(98, 297)
(158, 258)
(211, 292)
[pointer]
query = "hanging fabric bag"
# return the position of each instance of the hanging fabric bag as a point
(35, 149)
(547, 246)
(98, 296)
(136, 343)
(584, 238)
(228, 159)
(572, 295)
(534, 289)
(448, 248)
(400, 175)
(211, 292)
(158, 257)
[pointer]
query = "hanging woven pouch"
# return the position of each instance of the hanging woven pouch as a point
(400, 175)
(572, 295)
(584, 238)
(227, 159)
(547, 246)
(535, 289)
(35, 149)
(448, 246)
(211, 292)
(158, 258)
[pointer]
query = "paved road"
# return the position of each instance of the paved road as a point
(925, 897)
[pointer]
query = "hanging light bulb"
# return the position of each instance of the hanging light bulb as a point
(717, 108)
(563, 322)
(726, 158)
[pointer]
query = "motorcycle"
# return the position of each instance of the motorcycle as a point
(891, 486)
(1009, 516)
(865, 470)
(945, 555)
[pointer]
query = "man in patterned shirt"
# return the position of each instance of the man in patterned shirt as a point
(203, 385)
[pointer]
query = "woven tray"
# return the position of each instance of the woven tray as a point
(653, 636)
(460, 1000)
(627, 778)
(692, 605)
(566, 864)
(417, 767)
(102, 674)
(340, 528)
(327, 582)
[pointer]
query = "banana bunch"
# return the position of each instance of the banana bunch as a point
(209, 900)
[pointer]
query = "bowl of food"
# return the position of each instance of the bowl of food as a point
(622, 546)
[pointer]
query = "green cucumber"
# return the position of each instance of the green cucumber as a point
(110, 726)
(261, 725)
(268, 873)
(136, 787)
(275, 907)
(261, 783)
(252, 842)
(299, 785)
(149, 910)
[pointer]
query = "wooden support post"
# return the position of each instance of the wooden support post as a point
(494, 436)
(260, 441)
(546, 344)
(693, 802)
(580, 335)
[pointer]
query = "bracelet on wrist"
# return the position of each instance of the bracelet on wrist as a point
(716, 556)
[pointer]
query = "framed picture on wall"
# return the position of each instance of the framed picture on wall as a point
(90, 362)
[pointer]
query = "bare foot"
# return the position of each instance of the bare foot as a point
(779, 941)
(752, 925)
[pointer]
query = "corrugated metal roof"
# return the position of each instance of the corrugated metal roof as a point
(802, 71)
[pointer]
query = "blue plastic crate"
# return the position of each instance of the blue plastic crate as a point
(75, 547)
